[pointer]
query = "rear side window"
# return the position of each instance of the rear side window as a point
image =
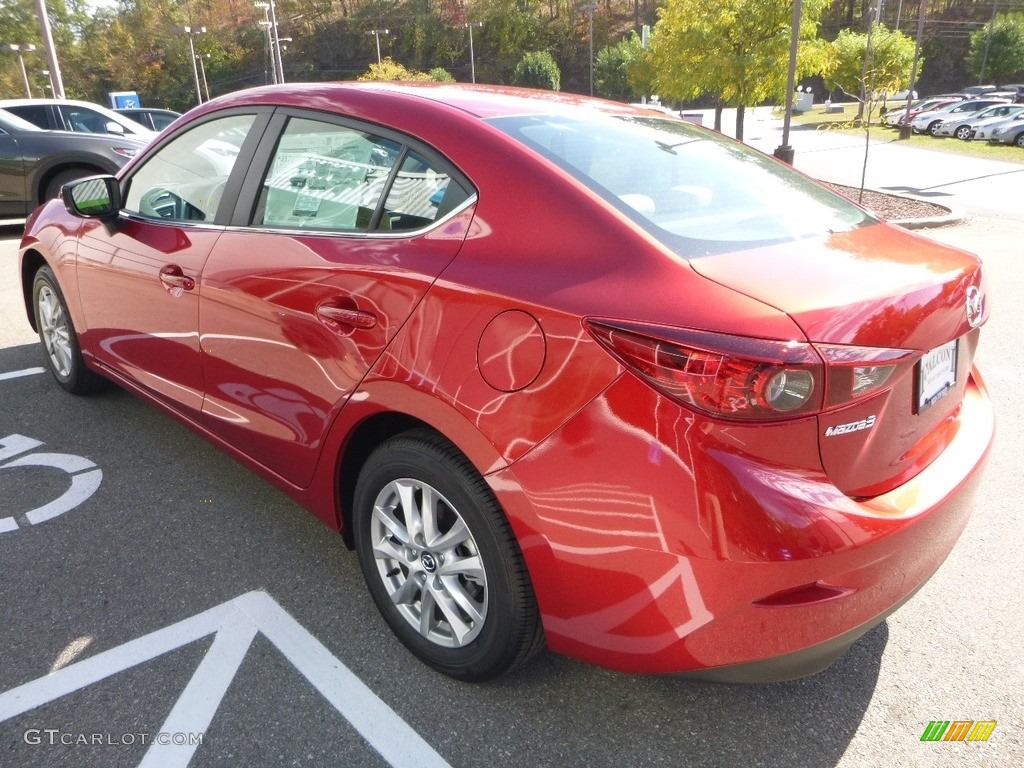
(325, 176)
(37, 115)
(692, 189)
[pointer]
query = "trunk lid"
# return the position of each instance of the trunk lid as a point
(882, 288)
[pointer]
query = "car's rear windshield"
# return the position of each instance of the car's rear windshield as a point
(697, 192)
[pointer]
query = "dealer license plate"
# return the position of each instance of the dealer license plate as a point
(936, 374)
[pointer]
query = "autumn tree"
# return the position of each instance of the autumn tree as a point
(734, 50)
(861, 72)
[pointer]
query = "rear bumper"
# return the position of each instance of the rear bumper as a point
(675, 550)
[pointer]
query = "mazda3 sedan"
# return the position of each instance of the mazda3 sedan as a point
(563, 372)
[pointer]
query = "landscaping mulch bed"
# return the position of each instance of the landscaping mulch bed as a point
(890, 207)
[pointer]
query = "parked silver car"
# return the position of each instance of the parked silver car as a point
(927, 122)
(1008, 132)
(962, 126)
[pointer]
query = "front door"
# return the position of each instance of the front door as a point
(340, 241)
(140, 277)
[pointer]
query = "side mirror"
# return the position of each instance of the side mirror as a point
(95, 197)
(115, 128)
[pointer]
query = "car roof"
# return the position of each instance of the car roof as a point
(482, 101)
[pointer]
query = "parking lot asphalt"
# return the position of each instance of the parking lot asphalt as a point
(180, 595)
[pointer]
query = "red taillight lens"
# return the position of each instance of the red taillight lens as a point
(730, 376)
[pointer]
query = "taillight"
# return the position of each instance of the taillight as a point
(730, 376)
(856, 372)
(738, 377)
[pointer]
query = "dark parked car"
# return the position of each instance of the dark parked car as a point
(154, 119)
(561, 370)
(35, 163)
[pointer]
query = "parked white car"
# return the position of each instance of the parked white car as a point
(77, 116)
(963, 126)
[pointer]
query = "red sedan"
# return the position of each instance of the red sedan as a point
(560, 370)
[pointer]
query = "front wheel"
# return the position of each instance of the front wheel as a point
(964, 133)
(441, 561)
(58, 337)
(933, 127)
(1019, 141)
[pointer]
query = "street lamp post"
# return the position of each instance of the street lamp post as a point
(21, 50)
(51, 51)
(269, 25)
(376, 34)
(192, 32)
(472, 63)
(590, 18)
(202, 73)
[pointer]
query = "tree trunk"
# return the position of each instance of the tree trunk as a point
(740, 113)
(718, 117)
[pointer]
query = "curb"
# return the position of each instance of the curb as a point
(930, 222)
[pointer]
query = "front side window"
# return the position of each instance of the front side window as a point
(185, 179)
(696, 192)
(331, 177)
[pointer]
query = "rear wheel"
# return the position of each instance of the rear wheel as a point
(441, 561)
(58, 337)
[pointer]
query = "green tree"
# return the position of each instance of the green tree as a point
(612, 69)
(997, 51)
(886, 69)
(538, 69)
(735, 50)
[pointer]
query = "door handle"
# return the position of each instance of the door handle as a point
(338, 318)
(175, 281)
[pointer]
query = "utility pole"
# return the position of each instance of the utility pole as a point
(51, 52)
(590, 17)
(472, 65)
(784, 151)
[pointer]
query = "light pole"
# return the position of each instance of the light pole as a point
(192, 32)
(51, 51)
(20, 50)
(202, 72)
(590, 17)
(269, 24)
(376, 34)
(472, 64)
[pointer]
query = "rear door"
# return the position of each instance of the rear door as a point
(339, 235)
(140, 279)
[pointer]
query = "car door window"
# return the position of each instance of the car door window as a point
(325, 176)
(420, 194)
(185, 179)
(332, 177)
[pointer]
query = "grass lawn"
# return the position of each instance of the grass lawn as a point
(845, 122)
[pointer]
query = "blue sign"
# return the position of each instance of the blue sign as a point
(124, 100)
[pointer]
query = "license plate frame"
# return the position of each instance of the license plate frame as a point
(936, 374)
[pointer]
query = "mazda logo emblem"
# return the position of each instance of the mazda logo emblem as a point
(975, 306)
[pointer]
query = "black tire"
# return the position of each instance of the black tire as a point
(481, 619)
(933, 126)
(53, 185)
(1019, 141)
(963, 132)
(57, 335)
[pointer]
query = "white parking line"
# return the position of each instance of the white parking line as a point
(235, 624)
(23, 372)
